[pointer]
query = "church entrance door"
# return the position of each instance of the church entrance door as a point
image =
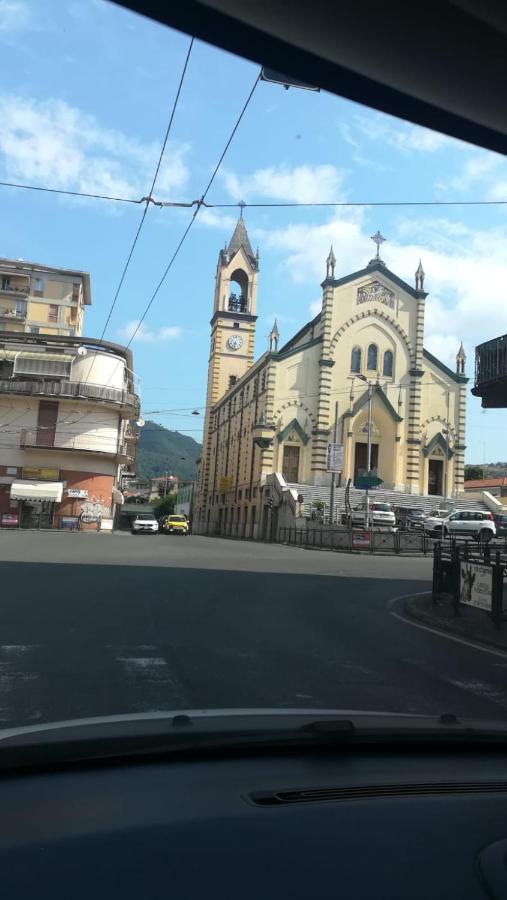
(290, 465)
(361, 457)
(435, 473)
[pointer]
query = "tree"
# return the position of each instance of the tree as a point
(165, 506)
(474, 473)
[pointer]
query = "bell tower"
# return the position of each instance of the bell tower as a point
(234, 308)
(232, 339)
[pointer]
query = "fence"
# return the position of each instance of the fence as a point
(348, 540)
(473, 576)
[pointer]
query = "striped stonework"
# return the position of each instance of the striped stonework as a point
(320, 435)
(413, 407)
(459, 448)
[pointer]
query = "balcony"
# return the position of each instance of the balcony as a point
(237, 304)
(12, 314)
(263, 434)
(129, 403)
(13, 290)
(491, 373)
(49, 439)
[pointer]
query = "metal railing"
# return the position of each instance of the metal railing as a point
(47, 439)
(491, 360)
(72, 389)
(349, 540)
(12, 289)
(473, 576)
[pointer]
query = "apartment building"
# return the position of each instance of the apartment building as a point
(39, 299)
(67, 426)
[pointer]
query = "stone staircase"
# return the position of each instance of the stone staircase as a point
(311, 493)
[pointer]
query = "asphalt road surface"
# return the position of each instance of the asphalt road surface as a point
(96, 624)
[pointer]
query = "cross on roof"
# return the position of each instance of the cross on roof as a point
(378, 239)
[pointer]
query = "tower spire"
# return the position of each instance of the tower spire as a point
(330, 264)
(461, 360)
(274, 337)
(419, 277)
(240, 239)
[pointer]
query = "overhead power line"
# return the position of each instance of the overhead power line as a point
(289, 204)
(200, 203)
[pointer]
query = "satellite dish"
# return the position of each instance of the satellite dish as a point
(140, 423)
(82, 351)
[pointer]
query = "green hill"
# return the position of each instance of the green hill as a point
(160, 450)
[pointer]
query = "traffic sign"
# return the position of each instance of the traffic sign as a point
(335, 457)
(367, 482)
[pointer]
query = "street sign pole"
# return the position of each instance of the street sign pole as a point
(368, 455)
(333, 474)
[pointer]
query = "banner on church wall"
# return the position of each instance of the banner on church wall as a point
(225, 484)
(335, 457)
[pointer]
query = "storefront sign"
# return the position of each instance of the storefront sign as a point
(476, 585)
(9, 520)
(69, 523)
(31, 473)
(77, 492)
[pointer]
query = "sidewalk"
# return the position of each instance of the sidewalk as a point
(474, 624)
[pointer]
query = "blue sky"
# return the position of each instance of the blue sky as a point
(86, 92)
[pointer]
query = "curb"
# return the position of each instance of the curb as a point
(425, 618)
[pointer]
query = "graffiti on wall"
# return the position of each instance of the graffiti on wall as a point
(94, 510)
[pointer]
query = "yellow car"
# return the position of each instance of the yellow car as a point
(175, 525)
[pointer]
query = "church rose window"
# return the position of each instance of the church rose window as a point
(355, 360)
(388, 363)
(372, 358)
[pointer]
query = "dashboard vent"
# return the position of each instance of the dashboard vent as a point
(375, 791)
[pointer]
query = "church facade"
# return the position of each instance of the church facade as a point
(277, 414)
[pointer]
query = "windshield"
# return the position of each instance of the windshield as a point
(253, 312)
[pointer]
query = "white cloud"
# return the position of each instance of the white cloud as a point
(479, 169)
(315, 307)
(301, 184)
(147, 335)
(14, 15)
(404, 137)
(216, 219)
(52, 143)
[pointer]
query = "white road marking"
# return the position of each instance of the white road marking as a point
(443, 634)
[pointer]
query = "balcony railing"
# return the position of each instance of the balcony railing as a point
(491, 372)
(14, 289)
(49, 439)
(72, 389)
(12, 314)
(237, 304)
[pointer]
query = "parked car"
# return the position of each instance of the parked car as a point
(500, 520)
(175, 525)
(475, 523)
(380, 515)
(433, 522)
(145, 523)
(409, 518)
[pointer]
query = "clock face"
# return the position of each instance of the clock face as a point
(235, 342)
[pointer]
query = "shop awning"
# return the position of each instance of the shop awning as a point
(37, 490)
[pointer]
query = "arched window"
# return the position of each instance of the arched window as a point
(238, 296)
(388, 363)
(372, 358)
(355, 360)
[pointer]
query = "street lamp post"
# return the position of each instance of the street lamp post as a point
(368, 447)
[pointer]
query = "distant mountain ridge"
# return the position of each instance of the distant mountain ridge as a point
(160, 450)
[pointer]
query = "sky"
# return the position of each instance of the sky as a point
(86, 91)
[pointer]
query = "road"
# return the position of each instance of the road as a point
(99, 624)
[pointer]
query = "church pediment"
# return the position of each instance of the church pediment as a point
(363, 401)
(293, 432)
(438, 446)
